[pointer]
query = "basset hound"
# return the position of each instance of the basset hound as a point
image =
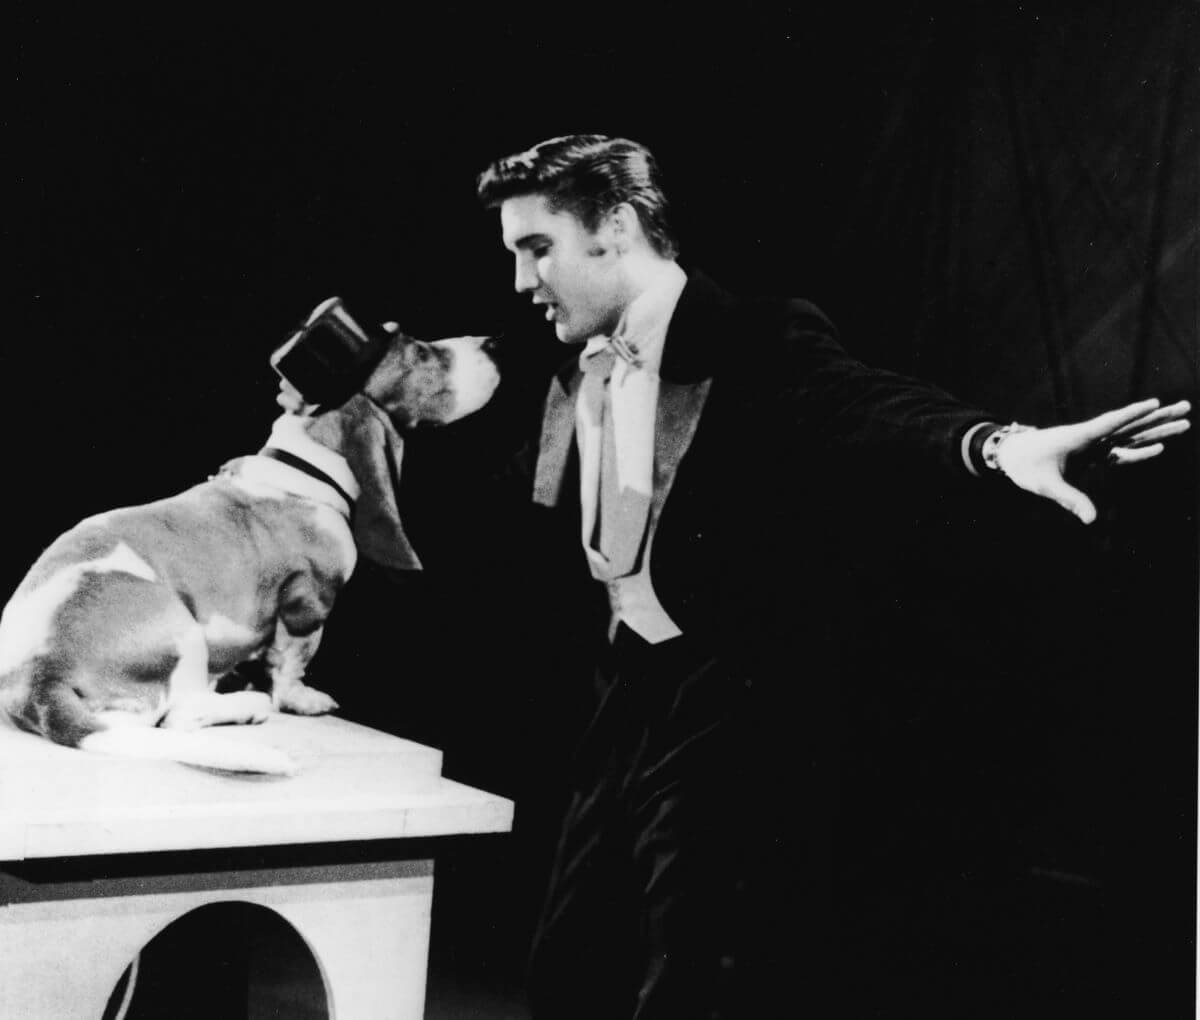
(118, 635)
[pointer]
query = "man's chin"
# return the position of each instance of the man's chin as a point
(566, 335)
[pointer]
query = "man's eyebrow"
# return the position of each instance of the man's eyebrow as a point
(528, 241)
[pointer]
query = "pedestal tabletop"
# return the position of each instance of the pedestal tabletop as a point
(354, 783)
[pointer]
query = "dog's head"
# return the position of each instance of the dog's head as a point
(416, 382)
(433, 382)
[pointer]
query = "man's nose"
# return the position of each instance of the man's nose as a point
(527, 278)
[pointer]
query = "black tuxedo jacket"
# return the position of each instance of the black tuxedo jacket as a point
(738, 531)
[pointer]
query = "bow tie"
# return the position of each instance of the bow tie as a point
(602, 352)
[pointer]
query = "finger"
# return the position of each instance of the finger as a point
(391, 327)
(1122, 455)
(1172, 412)
(1108, 423)
(1153, 418)
(1171, 428)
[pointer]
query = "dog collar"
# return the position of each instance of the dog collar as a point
(300, 464)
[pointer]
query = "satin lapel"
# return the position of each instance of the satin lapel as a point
(557, 439)
(679, 409)
(702, 327)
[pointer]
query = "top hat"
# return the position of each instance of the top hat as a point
(330, 357)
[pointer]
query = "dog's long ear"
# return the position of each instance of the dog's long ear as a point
(374, 450)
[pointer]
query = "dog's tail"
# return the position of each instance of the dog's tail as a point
(52, 708)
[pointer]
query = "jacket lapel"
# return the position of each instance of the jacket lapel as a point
(558, 436)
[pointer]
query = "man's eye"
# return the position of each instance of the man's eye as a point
(541, 251)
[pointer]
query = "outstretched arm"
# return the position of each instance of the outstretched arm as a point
(1035, 460)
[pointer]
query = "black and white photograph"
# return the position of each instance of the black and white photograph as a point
(579, 513)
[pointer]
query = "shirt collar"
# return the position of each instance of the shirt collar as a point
(644, 324)
(700, 320)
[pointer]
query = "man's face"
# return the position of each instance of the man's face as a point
(574, 273)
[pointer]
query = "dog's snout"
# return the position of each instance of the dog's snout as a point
(491, 345)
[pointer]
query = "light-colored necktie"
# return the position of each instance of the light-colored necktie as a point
(622, 512)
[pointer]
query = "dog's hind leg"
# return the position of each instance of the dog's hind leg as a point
(287, 660)
(188, 705)
(191, 703)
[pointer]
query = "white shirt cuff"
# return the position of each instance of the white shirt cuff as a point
(965, 448)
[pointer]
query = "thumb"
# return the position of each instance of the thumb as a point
(1072, 500)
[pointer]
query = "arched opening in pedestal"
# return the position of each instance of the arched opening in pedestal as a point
(236, 961)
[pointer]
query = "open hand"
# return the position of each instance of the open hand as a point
(1036, 460)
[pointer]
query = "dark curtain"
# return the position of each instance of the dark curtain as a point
(1021, 730)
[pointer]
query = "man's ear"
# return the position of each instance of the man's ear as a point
(617, 230)
(374, 450)
(622, 226)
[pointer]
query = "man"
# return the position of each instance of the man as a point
(672, 461)
(701, 407)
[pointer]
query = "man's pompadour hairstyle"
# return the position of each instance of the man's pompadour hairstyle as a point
(587, 176)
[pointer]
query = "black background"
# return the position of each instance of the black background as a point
(1001, 198)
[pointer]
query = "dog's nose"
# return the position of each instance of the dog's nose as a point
(491, 346)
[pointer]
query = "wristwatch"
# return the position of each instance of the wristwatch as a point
(990, 450)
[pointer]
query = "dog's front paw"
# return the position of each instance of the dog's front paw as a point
(257, 706)
(211, 709)
(300, 699)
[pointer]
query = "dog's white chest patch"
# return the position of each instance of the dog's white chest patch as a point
(25, 625)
